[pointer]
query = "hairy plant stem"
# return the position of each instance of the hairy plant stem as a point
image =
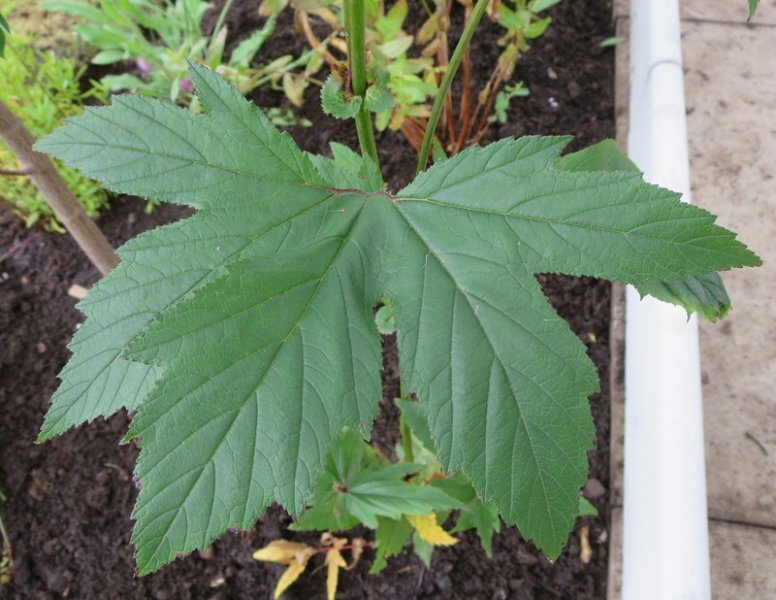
(354, 26)
(406, 439)
(447, 80)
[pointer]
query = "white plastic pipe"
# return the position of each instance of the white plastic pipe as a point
(665, 547)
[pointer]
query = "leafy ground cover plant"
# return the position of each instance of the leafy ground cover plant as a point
(159, 38)
(406, 68)
(244, 340)
(42, 88)
(4, 30)
(402, 502)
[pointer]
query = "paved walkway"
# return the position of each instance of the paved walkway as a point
(730, 80)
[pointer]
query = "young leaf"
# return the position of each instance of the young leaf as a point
(384, 493)
(378, 98)
(752, 8)
(256, 315)
(540, 5)
(586, 508)
(484, 519)
(348, 169)
(423, 549)
(416, 418)
(391, 535)
(338, 102)
(537, 28)
(246, 50)
(611, 41)
(386, 324)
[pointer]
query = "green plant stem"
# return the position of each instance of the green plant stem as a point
(406, 439)
(354, 25)
(222, 17)
(447, 80)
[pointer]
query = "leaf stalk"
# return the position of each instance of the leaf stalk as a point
(406, 439)
(447, 80)
(354, 25)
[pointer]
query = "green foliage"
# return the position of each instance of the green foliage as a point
(4, 30)
(159, 38)
(753, 7)
(360, 486)
(406, 66)
(42, 89)
(611, 41)
(704, 294)
(503, 100)
(244, 337)
(337, 101)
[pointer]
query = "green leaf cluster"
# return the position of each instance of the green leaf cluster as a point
(161, 37)
(4, 30)
(360, 486)
(410, 64)
(244, 338)
(42, 89)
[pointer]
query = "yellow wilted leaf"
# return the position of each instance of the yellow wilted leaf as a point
(294, 554)
(334, 562)
(356, 550)
(289, 576)
(429, 530)
(281, 551)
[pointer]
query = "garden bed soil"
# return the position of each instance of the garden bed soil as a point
(69, 500)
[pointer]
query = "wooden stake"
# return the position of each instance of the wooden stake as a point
(55, 191)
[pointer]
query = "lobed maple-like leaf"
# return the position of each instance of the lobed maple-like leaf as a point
(244, 336)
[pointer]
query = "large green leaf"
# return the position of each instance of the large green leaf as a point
(245, 335)
(704, 294)
(292, 357)
(486, 354)
(256, 192)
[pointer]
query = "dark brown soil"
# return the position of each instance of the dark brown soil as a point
(69, 500)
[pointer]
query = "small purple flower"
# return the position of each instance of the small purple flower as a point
(144, 66)
(186, 86)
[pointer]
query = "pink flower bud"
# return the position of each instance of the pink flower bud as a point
(186, 86)
(144, 66)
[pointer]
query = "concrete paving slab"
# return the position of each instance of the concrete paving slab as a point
(732, 132)
(732, 11)
(742, 561)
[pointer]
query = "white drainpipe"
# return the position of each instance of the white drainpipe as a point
(665, 548)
